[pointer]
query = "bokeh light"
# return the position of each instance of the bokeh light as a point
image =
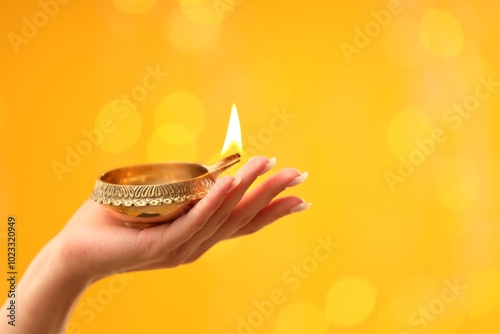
(175, 134)
(201, 12)
(347, 120)
(157, 149)
(441, 33)
(183, 113)
(349, 301)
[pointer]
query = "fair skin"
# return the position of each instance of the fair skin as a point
(94, 244)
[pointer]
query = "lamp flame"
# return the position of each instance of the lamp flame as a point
(233, 135)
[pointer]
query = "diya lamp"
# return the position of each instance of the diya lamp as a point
(146, 195)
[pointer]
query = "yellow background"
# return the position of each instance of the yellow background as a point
(365, 84)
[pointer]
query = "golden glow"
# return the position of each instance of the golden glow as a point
(184, 109)
(233, 135)
(302, 317)
(203, 12)
(220, 252)
(134, 6)
(344, 92)
(482, 296)
(349, 302)
(121, 125)
(404, 128)
(160, 148)
(441, 33)
(401, 43)
(175, 134)
(457, 183)
(191, 38)
(3, 113)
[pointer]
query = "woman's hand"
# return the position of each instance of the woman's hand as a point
(94, 244)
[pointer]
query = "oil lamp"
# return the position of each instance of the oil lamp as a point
(146, 195)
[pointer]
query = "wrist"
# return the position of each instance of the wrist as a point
(48, 292)
(63, 265)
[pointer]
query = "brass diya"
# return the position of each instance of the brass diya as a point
(147, 195)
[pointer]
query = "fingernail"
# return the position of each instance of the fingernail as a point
(300, 207)
(220, 182)
(235, 183)
(268, 166)
(298, 180)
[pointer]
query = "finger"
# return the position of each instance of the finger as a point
(272, 212)
(275, 210)
(182, 229)
(264, 193)
(254, 168)
(246, 176)
(257, 199)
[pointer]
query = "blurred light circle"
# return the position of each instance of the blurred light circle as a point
(441, 33)
(349, 301)
(201, 12)
(158, 150)
(186, 115)
(175, 134)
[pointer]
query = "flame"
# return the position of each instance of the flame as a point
(233, 135)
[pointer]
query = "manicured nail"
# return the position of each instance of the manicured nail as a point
(220, 182)
(298, 180)
(268, 166)
(235, 183)
(300, 207)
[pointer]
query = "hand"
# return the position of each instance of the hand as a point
(94, 244)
